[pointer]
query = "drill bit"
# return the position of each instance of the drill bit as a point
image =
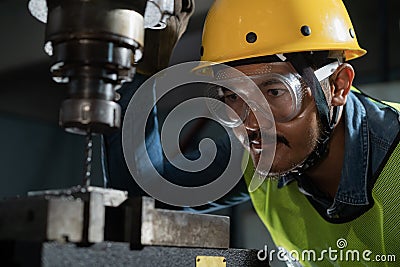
(88, 158)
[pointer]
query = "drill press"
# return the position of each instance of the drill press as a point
(94, 46)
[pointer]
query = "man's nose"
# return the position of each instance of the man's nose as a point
(256, 120)
(251, 122)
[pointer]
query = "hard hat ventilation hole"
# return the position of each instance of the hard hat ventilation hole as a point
(351, 31)
(251, 37)
(305, 30)
(201, 50)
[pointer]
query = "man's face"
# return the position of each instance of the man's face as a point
(295, 138)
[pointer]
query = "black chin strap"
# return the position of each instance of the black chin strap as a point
(302, 66)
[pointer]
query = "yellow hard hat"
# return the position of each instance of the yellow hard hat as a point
(237, 29)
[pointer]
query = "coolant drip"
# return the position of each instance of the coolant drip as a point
(88, 159)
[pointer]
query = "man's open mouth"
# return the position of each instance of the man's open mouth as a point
(258, 142)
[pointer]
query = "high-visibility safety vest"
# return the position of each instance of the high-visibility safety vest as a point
(372, 239)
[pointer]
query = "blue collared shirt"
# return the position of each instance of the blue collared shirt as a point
(370, 130)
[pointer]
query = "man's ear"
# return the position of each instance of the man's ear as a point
(341, 84)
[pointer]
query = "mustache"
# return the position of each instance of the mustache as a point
(257, 135)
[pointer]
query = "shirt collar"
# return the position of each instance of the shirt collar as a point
(353, 183)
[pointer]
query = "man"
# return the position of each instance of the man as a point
(336, 166)
(337, 157)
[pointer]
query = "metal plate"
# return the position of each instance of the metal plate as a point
(210, 261)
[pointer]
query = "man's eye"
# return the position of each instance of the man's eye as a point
(232, 97)
(276, 92)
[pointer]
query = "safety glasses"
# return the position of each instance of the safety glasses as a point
(274, 90)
